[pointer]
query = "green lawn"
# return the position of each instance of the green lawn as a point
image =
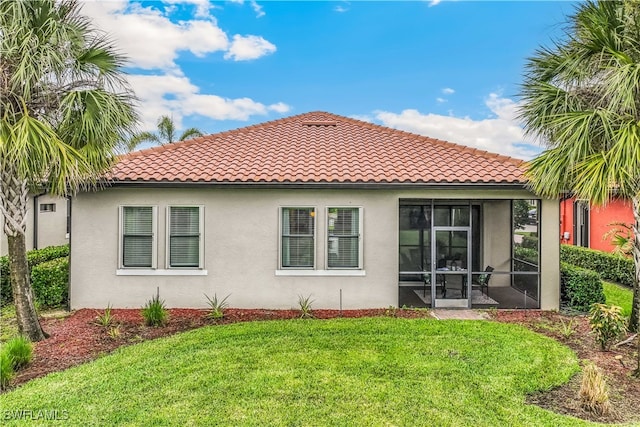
(619, 295)
(377, 371)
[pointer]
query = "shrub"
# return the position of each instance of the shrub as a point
(216, 308)
(611, 267)
(530, 242)
(154, 312)
(20, 351)
(526, 254)
(6, 370)
(594, 395)
(34, 258)
(50, 281)
(607, 323)
(579, 288)
(305, 307)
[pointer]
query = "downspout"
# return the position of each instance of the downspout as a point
(70, 234)
(36, 213)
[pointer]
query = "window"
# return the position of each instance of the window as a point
(343, 246)
(185, 237)
(138, 226)
(47, 207)
(298, 238)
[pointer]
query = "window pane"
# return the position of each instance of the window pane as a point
(138, 220)
(137, 239)
(184, 235)
(344, 237)
(297, 251)
(185, 220)
(298, 221)
(137, 251)
(298, 237)
(184, 251)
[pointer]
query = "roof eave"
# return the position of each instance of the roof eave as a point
(320, 185)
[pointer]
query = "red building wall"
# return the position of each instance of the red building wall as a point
(599, 219)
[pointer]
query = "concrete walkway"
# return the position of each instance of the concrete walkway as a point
(463, 314)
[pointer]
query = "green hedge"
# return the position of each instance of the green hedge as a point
(49, 280)
(610, 267)
(35, 257)
(526, 254)
(579, 287)
(530, 242)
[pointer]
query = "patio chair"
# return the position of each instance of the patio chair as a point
(482, 280)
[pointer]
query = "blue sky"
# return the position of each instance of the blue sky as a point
(446, 69)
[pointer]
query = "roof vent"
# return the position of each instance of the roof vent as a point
(319, 123)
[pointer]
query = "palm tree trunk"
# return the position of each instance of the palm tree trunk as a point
(634, 321)
(14, 210)
(28, 324)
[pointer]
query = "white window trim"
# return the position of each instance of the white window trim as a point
(154, 244)
(168, 241)
(160, 272)
(315, 238)
(360, 243)
(321, 273)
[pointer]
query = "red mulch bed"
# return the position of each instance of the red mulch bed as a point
(616, 365)
(77, 339)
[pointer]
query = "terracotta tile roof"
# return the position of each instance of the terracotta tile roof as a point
(316, 147)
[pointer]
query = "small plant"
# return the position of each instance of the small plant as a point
(19, 350)
(114, 332)
(305, 307)
(391, 311)
(216, 307)
(154, 312)
(607, 323)
(106, 318)
(567, 329)
(6, 369)
(594, 394)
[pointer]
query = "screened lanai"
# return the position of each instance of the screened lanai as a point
(469, 253)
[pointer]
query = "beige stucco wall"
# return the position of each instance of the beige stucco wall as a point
(241, 235)
(52, 226)
(550, 255)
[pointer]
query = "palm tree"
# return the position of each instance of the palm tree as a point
(166, 134)
(582, 98)
(64, 108)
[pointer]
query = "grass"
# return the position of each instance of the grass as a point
(8, 324)
(621, 296)
(360, 372)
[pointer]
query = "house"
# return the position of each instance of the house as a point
(47, 222)
(353, 214)
(582, 224)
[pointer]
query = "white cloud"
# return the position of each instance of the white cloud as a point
(178, 97)
(153, 42)
(441, 100)
(254, 5)
(244, 48)
(149, 38)
(434, 3)
(448, 91)
(500, 134)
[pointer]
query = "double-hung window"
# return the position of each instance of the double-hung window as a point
(344, 245)
(298, 238)
(138, 236)
(184, 247)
